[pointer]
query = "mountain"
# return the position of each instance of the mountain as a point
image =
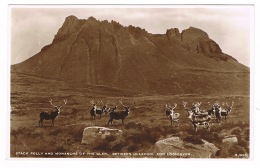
(94, 52)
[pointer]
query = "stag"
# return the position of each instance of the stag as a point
(196, 107)
(50, 115)
(199, 120)
(93, 110)
(211, 110)
(225, 112)
(174, 117)
(119, 115)
(217, 111)
(104, 109)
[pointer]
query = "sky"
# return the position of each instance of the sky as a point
(33, 27)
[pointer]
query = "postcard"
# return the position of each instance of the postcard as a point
(130, 81)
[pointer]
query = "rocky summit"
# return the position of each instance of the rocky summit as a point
(94, 52)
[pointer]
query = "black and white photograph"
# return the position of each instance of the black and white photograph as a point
(130, 81)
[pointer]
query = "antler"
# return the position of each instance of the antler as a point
(92, 102)
(51, 103)
(166, 106)
(113, 108)
(170, 106)
(132, 105)
(65, 102)
(232, 104)
(184, 104)
(175, 105)
(216, 103)
(122, 103)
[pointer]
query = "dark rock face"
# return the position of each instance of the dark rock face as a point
(208, 46)
(173, 34)
(106, 53)
(199, 41)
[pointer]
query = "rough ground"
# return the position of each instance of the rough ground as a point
(145, 125)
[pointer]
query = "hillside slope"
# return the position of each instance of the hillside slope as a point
(106, 53)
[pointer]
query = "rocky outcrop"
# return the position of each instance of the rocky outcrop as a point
(198, 41)
(208, 46)
(173, 34)
(176, 147)
(93, 134)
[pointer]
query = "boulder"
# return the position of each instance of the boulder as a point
(92, 134)
(230, 139)
(176, 147)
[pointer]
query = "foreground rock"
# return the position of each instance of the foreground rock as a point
(92, 134)
(230, 139)
(175, 147)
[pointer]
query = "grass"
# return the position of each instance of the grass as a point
(136, 138)
(145, 125)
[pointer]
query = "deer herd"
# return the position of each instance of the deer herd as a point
(197, 116)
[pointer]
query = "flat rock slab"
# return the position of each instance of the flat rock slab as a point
(230, 139)
(92, 134)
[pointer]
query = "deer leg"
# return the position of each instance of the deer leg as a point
(123, 122)
(177, 123)
(41, 122)
(109, 121)
(208, 128)
(195, 126)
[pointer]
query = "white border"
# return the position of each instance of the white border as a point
(5, 96)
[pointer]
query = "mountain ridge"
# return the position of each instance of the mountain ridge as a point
(107, 53)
